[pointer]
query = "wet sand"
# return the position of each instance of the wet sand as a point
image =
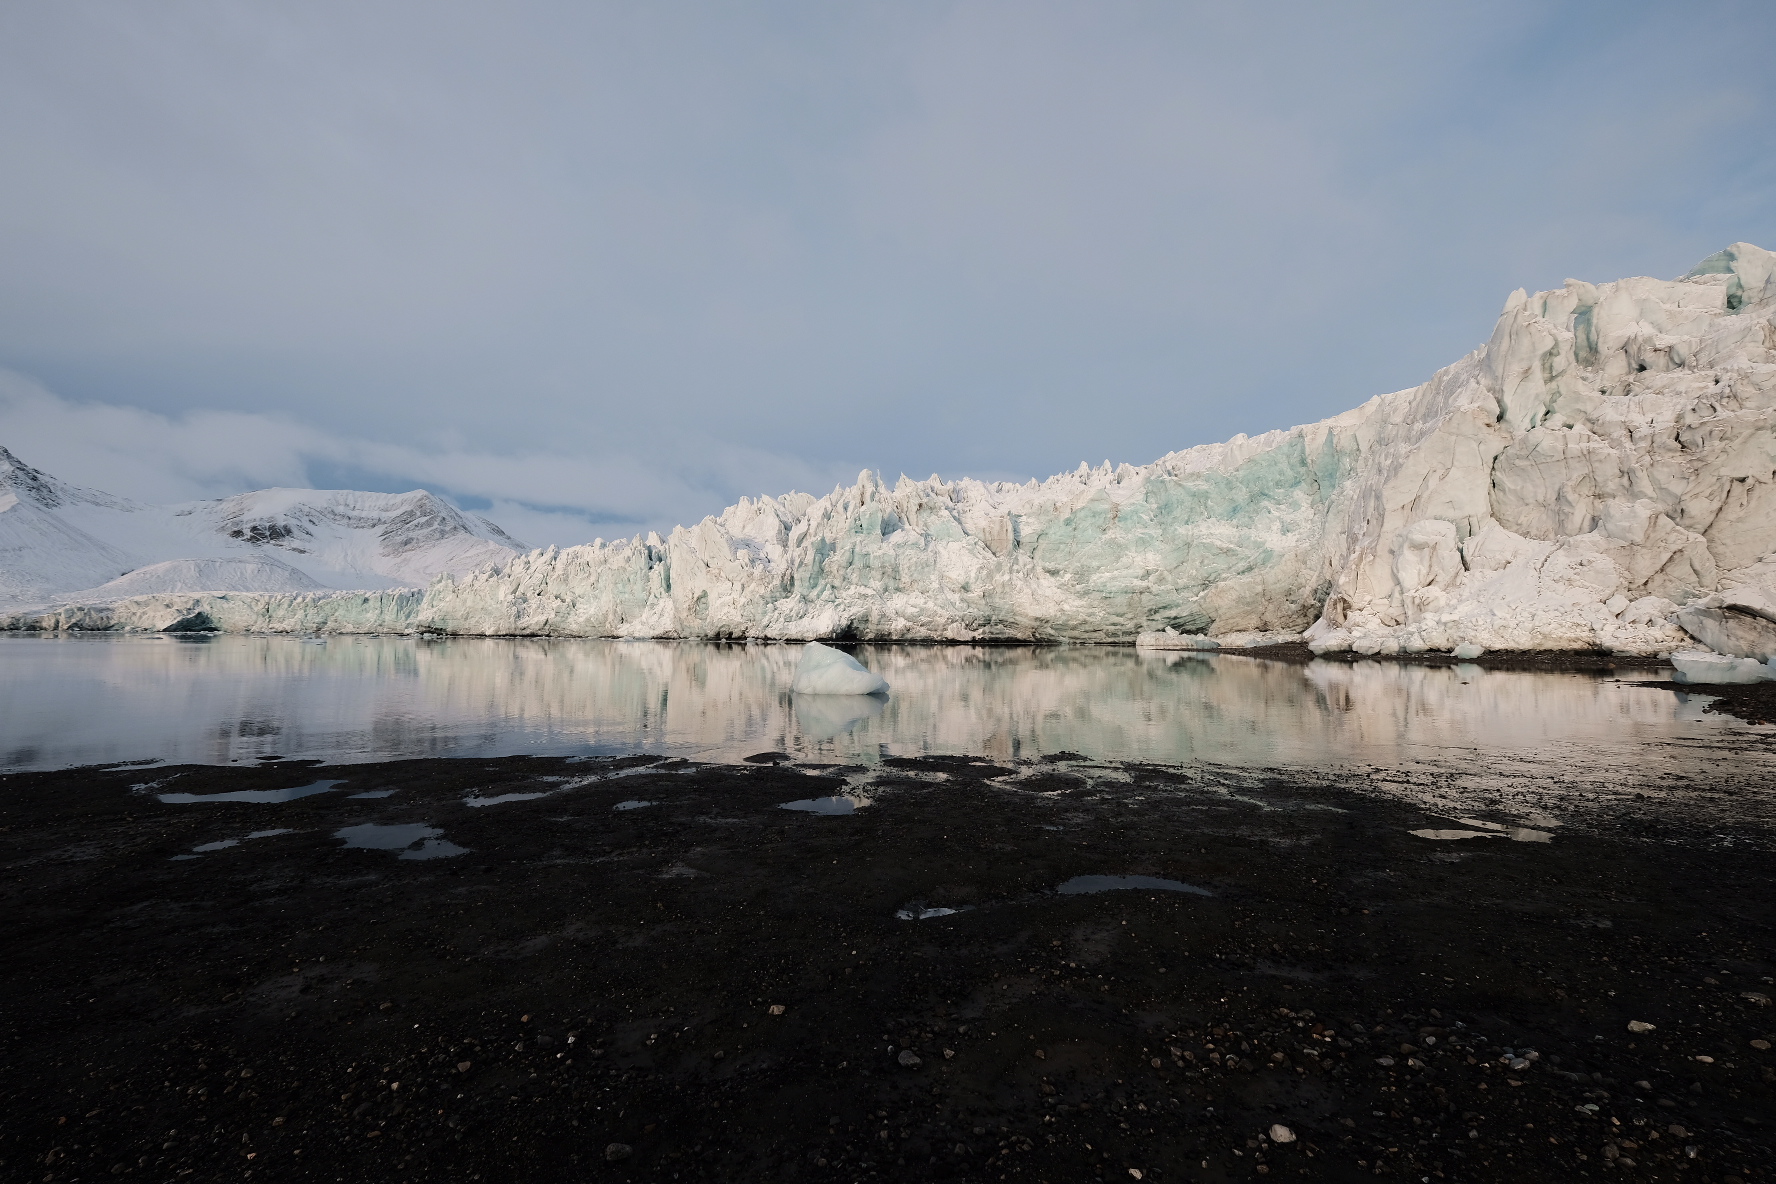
(709, 987)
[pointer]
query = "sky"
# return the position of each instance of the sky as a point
(600, 268)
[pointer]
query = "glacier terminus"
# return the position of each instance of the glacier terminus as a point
(1600, 475)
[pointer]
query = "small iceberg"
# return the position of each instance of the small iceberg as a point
(1171, 639)
(826, 671)
(1705, 666)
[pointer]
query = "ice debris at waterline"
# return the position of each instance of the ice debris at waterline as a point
(826, 671)
(1605, 458)
(1706, 666)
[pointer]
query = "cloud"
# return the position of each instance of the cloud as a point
(539, 496)
(634, 260)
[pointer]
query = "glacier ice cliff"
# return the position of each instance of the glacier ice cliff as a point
(1601, 474)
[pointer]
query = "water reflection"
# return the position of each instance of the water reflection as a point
(414, 840)
(74, 700)
(251, 795)
(833, 806)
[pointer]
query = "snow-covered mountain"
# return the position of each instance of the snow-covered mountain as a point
(1608, 457)
(60, 542)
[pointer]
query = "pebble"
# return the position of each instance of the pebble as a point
(909, 1058)
(617, 1151)
(1385, 1062)
(1761, 1045)
(463, 1066)
(1281, 1134)
(1638, 1026)
(1755, 998)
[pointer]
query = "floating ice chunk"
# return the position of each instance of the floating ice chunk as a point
(1467, 651)
(826, 671)
(1704, 667)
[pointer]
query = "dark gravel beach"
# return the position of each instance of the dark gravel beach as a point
(709, 987)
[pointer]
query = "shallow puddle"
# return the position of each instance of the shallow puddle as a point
(1491, 830)
(821, 806)
(1080, 885)
(414, 840)
(507, 797)
(224, 844)
(251, 795)
(633, 805)
(917, 913)
(372, 793)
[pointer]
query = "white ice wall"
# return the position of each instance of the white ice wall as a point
(1606, 457)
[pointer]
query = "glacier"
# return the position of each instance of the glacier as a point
(1600, 475)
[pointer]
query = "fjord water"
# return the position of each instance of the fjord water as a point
(73, 700)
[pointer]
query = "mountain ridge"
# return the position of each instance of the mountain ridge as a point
(59, 540)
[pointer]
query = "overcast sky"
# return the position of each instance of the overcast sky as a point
(606, 267)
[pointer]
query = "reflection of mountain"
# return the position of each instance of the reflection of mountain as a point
(75, 701)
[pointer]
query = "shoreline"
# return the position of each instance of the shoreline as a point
(591, 990)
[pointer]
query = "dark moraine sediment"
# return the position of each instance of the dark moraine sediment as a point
(583, 976)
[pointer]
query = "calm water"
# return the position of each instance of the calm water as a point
(75, 700)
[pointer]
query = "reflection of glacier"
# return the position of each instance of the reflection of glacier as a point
(73, 701)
